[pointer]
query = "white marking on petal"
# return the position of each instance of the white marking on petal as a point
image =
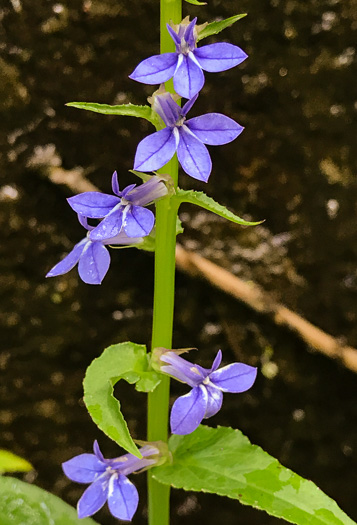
(177, 136)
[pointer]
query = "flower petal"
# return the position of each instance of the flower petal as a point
(214, 402)
(156, 69)
(138, 221)
(93, 498)
(115, 184)
(186, 108)
(84, 222)
(84, 468)
(219, 57)
(155, 151)
(122, 239)
(69, 261)
(175, 37)
(189, 35)
(235, 378)
(148, 192)
(110, 226)
(94, 263)
(127, 190)
(123, 498)
(217, 361)
(98, 452)
(128, 463)
(188, 78)
(188, 411)
(183, 370)
(93, 204)
(193, 155)
(214, 128)
(166, 107)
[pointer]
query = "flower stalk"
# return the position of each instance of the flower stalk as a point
(164, 292)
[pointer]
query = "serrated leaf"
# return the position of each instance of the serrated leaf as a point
(216, 27)
(201, 199)
(223, 461)
(129, 110)
(196, 2)
(25, 504)
(9, 462)
(127, 361)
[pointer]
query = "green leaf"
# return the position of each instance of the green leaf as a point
(216, 27)
(25, 504)
(143, 176)
(201, 199)
(127, 361)
(196, 2)
(129, 110)
(223, 461)
(9, 462)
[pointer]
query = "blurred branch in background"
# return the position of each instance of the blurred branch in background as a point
(246, 291)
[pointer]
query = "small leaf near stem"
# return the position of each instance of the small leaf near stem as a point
(199, 198)
(216, 27)
(129, 110)
(195, 2)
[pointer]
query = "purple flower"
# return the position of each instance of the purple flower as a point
(187, 137)
(92, 256)
(188, 61)
(208, 385)
(123, 210)
(108, 481)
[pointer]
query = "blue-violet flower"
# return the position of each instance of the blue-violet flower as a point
(122, 211)
(185, 65)
(92, 256)
(208, 385)
(108, 481)
(187, 137)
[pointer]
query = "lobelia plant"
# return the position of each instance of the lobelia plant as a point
(191, 458)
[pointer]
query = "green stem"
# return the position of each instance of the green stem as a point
(164, 293)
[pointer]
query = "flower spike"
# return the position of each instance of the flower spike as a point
(186, 65)
(206, 396)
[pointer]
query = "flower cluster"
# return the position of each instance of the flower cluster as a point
(124, 222)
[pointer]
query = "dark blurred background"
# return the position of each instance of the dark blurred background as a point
(294, 166)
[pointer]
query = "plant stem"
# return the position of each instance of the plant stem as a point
(164, 294)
